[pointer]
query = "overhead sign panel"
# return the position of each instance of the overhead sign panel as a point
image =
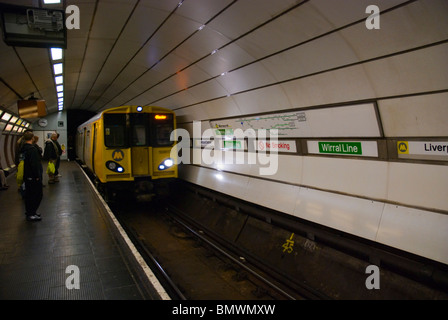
(33, 27)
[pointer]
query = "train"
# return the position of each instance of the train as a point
(129, 148)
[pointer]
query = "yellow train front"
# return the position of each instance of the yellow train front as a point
(129, 148)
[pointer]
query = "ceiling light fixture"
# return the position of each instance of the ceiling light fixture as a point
(56, 54)
(59, 80)
(57, 68)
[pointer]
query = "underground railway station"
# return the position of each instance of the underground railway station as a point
(224, 150)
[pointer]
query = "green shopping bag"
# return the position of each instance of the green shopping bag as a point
(19, 176)
(51, 168)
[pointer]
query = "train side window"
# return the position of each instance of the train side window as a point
(115, 130)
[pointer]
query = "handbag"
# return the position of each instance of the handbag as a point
(51, 169)
(19, 176)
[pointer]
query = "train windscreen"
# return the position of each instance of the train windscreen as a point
(138, 130)
(115, 130)
(163, 125)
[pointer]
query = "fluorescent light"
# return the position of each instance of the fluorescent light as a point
(6, 116)
(57, 68)
(56, 53)
(60, 94)
(52, 1)
(61, 100)
(59, 80)
(59, 88)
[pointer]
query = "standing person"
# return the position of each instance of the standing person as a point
(19, 145)
(32, 177)
(52, 153)
(3, 183)
(58, 161)
(39, 150)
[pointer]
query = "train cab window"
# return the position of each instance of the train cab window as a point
(139, 132)
(163, 133)
(163, 125)
(139, 135)
(115, 130)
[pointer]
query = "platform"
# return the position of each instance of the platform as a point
(75, 230)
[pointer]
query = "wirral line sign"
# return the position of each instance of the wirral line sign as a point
(350, 148)
(347, 148)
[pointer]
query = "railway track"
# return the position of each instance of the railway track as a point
(190, 264)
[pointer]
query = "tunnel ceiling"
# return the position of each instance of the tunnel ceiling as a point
(207, 59)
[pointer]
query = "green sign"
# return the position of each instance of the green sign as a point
(340, 147)
(224, 132)
(232, 144)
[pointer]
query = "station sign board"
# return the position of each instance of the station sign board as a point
(276, 145)
(429, 150)
(220, 144)
(344, 148)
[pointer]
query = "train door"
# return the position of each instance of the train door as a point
(94, 146)
(141, 152)
(83, 158)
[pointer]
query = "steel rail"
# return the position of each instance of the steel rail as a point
(229, 256)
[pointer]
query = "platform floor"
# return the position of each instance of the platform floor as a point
(34, 256)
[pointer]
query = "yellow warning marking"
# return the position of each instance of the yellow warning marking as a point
(288, 246)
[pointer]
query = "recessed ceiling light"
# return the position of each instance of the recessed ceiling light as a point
(56, 53)
(57, 68)
(59, 80)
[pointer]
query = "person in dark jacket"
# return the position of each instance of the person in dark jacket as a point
(52, 153)
(19, 145)
(39, 151)
(17, 153)
(31, 177)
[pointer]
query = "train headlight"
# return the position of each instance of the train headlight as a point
(166, 164)
(139, 109)
(113, 166)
